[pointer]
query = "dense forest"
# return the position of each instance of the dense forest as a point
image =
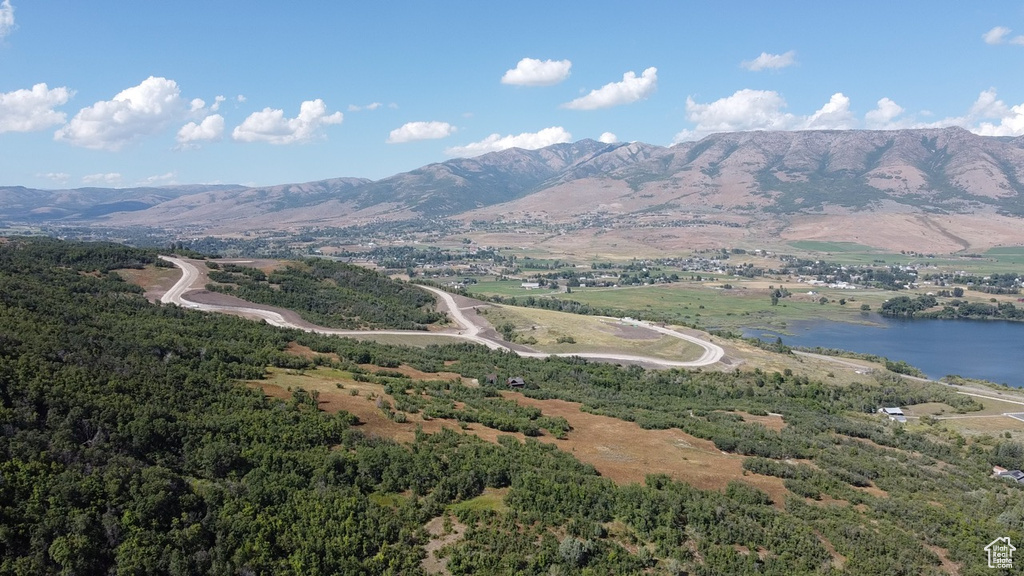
(331, 294)
(129, 446)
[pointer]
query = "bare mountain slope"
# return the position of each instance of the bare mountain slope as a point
(772, 183)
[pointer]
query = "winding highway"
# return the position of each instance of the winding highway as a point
(469, 330)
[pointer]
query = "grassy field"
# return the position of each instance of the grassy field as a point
(709, 304)
(541, 329)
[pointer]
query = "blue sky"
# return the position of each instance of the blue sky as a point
(109, 93)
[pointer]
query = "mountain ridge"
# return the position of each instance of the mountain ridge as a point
(771, 178)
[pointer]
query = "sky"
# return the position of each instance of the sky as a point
(118, 94)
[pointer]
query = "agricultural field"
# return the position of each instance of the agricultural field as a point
(709, 304)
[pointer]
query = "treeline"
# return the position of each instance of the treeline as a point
(921, 307)
(331, 294)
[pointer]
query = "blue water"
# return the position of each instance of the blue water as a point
(990, 350)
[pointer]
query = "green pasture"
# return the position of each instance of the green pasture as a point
(709, 305)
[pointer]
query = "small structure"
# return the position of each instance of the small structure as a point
(1015, 475)
(530, 285)
(516, 382)
(894, 414)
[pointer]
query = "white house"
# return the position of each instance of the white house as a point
(894, 413)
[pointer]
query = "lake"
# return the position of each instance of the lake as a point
(990, 350)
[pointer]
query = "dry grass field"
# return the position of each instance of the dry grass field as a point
(542, 329)
(619, 450)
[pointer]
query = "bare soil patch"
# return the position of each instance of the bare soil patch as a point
(432, 564)
(771, 421)
(619, 450)
(155, 281)
(626, 453)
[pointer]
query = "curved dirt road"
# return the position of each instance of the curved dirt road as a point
(469, 330)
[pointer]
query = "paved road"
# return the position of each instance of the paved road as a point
(469, 330)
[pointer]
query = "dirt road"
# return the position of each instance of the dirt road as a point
(470, 330)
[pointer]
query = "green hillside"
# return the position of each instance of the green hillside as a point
(129, 446)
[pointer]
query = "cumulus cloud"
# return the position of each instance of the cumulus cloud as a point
(526, 140)
(6, 18)
(134, 112)
(762, 110)
(990, 116)
(371, 106)
(413, 131)
(209, 130)
(1001, 35)
(108, 178)
(533, 72)
(608, 138)
(216, 103)
(270, 125)
(240, 98)
(884, 115)
(628, 91)
(30, 110)
(745, 110)
(768, 61)
(835, 115)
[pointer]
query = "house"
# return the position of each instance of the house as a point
(894, 414)
(530, 285)
(1015, 475)
(516, 382)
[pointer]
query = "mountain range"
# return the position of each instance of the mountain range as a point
(955, 189)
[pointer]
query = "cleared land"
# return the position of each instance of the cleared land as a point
(542, 330)
(619, 450)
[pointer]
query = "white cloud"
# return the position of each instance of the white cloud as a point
(209, 130)
(526, 140)
(835, 115)
(59, 177)
(883, 116)
(608, 138)
(371, 106)
(134, 112)
(996, 35)
(240, 98)
(216, 103)
(196, 105)
(768, 61)
(6, 18)
(108, 178)
(158, 180)
(744, 110)
(762, 110)
(30, 110)
(413, 131)
(1007, 120)
(628, 91)
(1001, 35)
(533, 72)
(270, 125)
